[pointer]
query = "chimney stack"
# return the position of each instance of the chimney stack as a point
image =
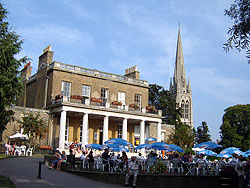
(132, 72)
(26, 71)
(46, 58)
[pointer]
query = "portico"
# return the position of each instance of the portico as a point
(100, 123)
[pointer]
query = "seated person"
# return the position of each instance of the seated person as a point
(201, 163)
(133, 169)
(176, 162)
(58, 158)
(63, 159)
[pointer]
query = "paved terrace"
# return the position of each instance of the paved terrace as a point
(24, 171)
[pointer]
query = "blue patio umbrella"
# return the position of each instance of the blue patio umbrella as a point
(119, 149)
(232, 150)
(207, 152)
(247, 152)
(224, 155)
(118, 141)
(93, 146)
(176, 148)
(150, 139)
(207, 145)
(165, 146)
(142, 146)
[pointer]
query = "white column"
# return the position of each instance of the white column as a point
(85, 129)
(142, 132)
(159, 132)
(62, 129)
(124, 128)
(105, 129)
(51, 129)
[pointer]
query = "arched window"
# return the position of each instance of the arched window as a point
(182, 109)
(186, 109)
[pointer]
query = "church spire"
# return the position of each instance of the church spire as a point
(179, 74)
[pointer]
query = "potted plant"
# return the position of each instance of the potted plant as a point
(117, 103)
(57, 97)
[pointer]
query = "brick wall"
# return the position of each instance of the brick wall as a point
(14, 127)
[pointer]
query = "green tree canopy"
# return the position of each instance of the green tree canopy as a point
(183, 136)
(10, 81)
(163, 100)
(34, 126)
(202, 133)
(235, 128)
(240, 31)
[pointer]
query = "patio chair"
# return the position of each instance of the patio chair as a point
(201, 168)
(105, 165)
(23, 150)
(18, 151)
(29, 151)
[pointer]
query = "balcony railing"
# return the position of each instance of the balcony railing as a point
(100, 103)
(94, 72)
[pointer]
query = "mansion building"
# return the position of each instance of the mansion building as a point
(89, 105)
(92, 106)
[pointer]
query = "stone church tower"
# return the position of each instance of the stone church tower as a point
(180, 86)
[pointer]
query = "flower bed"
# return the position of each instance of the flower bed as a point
(93, 99)
(117, 103)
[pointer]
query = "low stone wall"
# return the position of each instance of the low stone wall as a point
(145, 180)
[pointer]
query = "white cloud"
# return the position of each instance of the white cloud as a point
(54, 33)
(221, 87)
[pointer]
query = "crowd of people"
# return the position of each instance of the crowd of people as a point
(133, 165)
(10, 148)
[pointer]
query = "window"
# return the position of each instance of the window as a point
(182, 109)
(66, 86)
(85, 91)
(122, 99)
(119, 134)
(67, 130)
(104, 95)
(138, 99)
(186, 109)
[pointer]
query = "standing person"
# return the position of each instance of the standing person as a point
(240, 171)
(105, 159)
(124, 160)
(90, 159)
(133, 169)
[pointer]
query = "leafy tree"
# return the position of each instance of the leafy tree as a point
(163, 100)
(235, 128)
(10, 81)
(239, 32)
(202, 133)
(183, 136)
(34, 126)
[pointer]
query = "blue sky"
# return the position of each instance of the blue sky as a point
(112, 35)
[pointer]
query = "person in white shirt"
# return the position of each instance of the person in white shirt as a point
(133, 169)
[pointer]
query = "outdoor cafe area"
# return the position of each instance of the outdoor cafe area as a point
(17, 146)
(159, 158)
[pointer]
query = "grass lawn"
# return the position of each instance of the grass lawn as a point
(5, 182)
